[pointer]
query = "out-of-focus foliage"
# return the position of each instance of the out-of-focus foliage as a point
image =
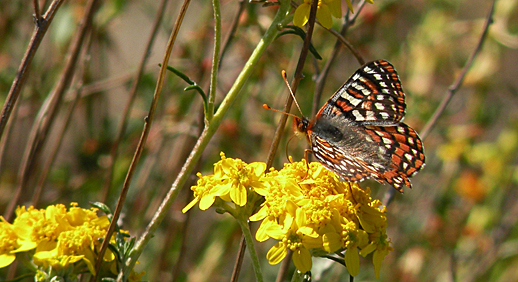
(458, 220)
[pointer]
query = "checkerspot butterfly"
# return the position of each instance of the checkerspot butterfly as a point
(359, 133)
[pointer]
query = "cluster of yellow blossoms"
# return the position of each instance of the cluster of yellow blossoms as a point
(61, 242)
(308, 211)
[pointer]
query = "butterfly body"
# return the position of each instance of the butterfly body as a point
(359, 133)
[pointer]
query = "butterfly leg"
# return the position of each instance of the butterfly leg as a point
(306, 152)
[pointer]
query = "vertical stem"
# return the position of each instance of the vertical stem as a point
(251, 248)
(215, 61)
(207, 134)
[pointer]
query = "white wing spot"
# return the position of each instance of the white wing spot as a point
(410, 140)
(387, 141)
(379, 106)
(354, 101)
(409, 157)
(370, 115)
(357, 115)
(380, 97)
(384, 115)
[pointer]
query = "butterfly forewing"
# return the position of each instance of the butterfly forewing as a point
(372, 95)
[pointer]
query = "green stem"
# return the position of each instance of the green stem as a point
(245, 228)
(207, 134)
(297, 276)
(215, 61)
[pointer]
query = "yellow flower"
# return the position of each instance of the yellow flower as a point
(325, 9)
(233, 180)
(312, 212)
(8, 243)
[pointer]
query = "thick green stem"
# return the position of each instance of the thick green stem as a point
(245, 228)
(207, 133)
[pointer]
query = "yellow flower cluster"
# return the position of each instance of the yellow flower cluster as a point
(63, 240)
(309, 211)
(233, 181)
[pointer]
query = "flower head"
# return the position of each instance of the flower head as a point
(233, 181)
(311, 211)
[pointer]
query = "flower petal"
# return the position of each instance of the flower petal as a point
(276, 253)
(302, 260)
(324, 16)
(6, 259)
(352, 260)
(301, 15)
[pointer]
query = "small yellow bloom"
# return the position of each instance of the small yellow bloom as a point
(232, 181)
(325, 9)
(8, 243)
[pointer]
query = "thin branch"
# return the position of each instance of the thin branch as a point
(458, 82)
(294, 85)
(78, 82)
(389, 195)
(143, 138)
(37, 15)
(349, 46)
(50, 108)
(322, 76)
(282, 123)
(132, 95)
(18, 82)
(233, 29)
(207, 134)
(215, 61)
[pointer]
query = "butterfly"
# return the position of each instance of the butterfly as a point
(359, 133)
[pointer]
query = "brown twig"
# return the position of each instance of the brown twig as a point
(18, 82)
(143, 138)
(37, 14)
(233, 29)
(239, 260)
(322, 76)
(132, 94)
(389, 195)
(349, 46)
(78, 82)
(458, 82)
(294, 84)
(49, 110)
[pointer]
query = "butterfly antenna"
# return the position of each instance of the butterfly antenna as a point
(284, 77)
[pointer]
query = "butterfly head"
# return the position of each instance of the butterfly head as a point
(301, 124)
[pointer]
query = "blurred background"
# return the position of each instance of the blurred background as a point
(458, 223)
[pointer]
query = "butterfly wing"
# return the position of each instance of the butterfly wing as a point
(406, 152)
(371, 96)
(387, 154)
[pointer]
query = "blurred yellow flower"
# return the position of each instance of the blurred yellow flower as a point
(325, 9)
